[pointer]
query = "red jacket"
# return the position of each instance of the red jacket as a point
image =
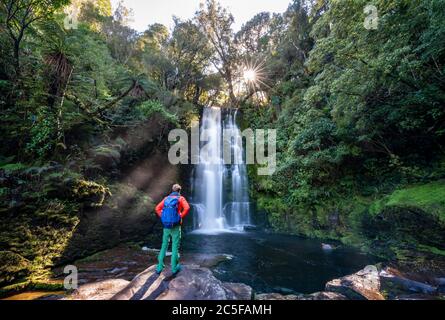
(183, 207)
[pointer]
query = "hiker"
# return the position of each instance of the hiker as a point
(172, 210)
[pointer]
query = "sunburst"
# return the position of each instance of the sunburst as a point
(252, 77)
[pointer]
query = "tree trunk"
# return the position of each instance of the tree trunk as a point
(197, 95)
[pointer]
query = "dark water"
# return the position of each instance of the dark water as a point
(277, 263)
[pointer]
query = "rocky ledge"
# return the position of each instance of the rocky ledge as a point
(198, 283)
(192, 283)
(372, 284)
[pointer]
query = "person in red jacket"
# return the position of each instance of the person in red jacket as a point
(173, 232)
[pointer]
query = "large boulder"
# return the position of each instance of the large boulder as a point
(363, 285)
(192, 283)
(195, 283)
(108, 157)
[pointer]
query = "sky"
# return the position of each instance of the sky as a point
(147, 12)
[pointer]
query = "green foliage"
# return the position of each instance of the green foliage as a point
(150, 108)
(12, 266)
(73, 85)
(42, 134)
(11, 167)
(428, 197)
(360, 121)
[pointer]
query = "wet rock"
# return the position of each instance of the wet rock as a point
(441, 289)
(242, 291)
(417, 296)
(51, 297)
(363, 285)
(145, 286)
(327, 247)
(206, 260)
(276, 296)
(327, 296)
(440, 286)
(118, 270)
(315, 296)
(390, 281)
(103, 290)
(250, 228)
(153, 252)
(284, 291)
(334, 218)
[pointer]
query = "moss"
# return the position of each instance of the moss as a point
(40, 213)
(93, 258)
(46, 286)
(11, 167)
(29, 285)
(427, 197)
(107, 151)
(12, 267)
(14, 288)
(432, 250)
(92, 193)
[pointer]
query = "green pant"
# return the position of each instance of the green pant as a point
(175, 235)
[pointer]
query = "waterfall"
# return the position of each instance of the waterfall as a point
(220, 191)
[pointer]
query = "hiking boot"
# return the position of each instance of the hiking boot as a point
(177, 270)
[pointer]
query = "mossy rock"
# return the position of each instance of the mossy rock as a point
(107, 156)
(429, 198)
(90, 193)
(47, 286)
(402, 231)
(12, 267)
(410, 219)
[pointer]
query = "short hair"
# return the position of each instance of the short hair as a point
(176, 188)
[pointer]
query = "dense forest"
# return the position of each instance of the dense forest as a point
(87, 102)
(361, 125)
